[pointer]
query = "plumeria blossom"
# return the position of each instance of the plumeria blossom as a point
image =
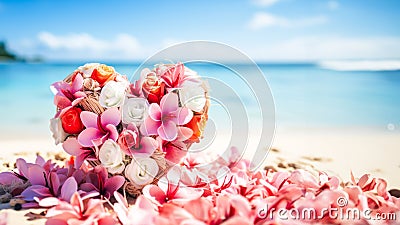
(98, 180)
(50, 183)
(3, 218)
(203, 211)
(164, 118)
(80, 210)
(136, 88)
(47, 178)
(45, 183)
(67, 190)
(175, 75)
(175, 150)
(68, 95)
(142, 212)
(99, 128)
(132, 143)
(190, 174)
(169, 188)
(72, 147)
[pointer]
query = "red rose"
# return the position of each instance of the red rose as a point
(153, 88)
(71, 121)
(103, 73)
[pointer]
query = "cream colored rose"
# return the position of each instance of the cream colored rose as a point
(141, 171)
(58, 132)
(110, 156)
(192, 96)
(134, 111)
(88, 68)
(113, 94)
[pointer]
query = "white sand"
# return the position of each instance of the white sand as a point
(360, 151)
(341, 151)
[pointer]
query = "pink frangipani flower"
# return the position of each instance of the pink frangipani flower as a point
(99, 128)
(3, 218)
(72, 147)
(49, 183)
(67, 190)
(22, 174)
(174, 75)
(175, 150)
(169, 188)
(68, 95)
(164, 118)
(142, 212)
(132, 143)
(80, 210)
(45, 178)
(136, 88)
(98, 180)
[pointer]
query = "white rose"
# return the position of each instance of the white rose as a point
(192, 96)
(141, 171)
(113, 94)
(110, 156)
(58, 132)
(134, 111)
(88, 68)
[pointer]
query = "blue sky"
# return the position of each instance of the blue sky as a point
(267, 30)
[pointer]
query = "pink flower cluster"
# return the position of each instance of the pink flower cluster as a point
(104, 119)
(48, 183)
(238, 196)
(235, 195)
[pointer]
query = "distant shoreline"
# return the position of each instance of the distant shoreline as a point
(336, 65)
(7, 56)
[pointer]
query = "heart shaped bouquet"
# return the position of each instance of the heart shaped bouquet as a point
(139, 129)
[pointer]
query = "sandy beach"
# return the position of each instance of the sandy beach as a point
(339, 151)
(335, 151)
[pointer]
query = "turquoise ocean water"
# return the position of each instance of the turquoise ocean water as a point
(305, 95)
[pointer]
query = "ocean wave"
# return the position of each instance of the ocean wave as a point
(361, 65)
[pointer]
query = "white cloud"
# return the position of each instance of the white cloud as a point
(262, 20)
(328, 47)
(265, 3)
(199, 50)
(126, 47)
(333, 5)
(83, 45)
(81, 41)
